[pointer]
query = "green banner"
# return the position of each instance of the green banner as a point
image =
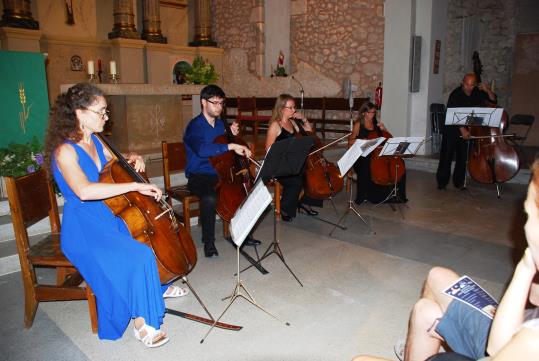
(24, 99)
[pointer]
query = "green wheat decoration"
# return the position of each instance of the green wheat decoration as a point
(23, 116)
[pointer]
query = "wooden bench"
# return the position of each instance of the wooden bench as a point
(330, 116)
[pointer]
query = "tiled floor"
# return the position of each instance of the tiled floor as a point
(359, 284)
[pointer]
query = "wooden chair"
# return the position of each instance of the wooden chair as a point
(246, 115)
(32, 198)
(174, 160)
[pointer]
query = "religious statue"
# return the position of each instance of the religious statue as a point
(280, 70)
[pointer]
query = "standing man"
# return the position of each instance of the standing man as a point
(199, 144)
(454, 137)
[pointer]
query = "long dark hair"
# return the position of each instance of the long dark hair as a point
(63, 121)
(366, 107)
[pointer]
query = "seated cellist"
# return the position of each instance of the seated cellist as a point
(368, 127)
(283, 125)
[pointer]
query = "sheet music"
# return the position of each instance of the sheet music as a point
(361, 147)
(247, 215)
(474, 116)
(402, 146)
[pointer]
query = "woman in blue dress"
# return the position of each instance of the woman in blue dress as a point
(121, 271)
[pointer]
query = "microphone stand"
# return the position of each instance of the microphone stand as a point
(301, 92)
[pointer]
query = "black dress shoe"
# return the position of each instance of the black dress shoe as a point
(286, 218)
(210, 250)
(252, 242)
(309, 211)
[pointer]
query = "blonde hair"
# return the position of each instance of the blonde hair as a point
(280, 103)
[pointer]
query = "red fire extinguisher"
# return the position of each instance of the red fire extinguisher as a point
(378, 96)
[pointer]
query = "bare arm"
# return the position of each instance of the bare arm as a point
(67, 160)
(524, 346)
(304, 122)
(510, 313)
(132, 158)
(273, 132)
(355, 133)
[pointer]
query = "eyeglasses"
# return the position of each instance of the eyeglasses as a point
(222, 103)
(104, 113)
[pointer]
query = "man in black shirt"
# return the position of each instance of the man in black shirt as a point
(454, 137)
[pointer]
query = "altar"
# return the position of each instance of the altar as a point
(143, 115)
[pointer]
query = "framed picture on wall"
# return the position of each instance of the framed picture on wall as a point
(76, 63)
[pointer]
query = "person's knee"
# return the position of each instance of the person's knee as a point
(440, 277)
(208, 200)
(424, 313)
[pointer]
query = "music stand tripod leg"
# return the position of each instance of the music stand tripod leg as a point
(465, 186)
(274, 248)
(351, 207)
(238, 293)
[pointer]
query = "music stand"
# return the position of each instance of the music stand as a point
(241, 224)
(284, 158)
(399, 147)
(361, 147)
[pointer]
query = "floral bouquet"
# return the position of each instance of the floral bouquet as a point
(19, 159)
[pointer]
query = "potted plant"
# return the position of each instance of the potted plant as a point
(201, 72)
(19, 159)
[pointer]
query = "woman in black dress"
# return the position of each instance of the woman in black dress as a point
(285, 123)
(368, 127)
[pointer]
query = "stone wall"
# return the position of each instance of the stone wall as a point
(234, 28)
(496, 46)
(329, 42)
(341, 39)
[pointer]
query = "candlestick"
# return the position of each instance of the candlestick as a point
(113, 67)
(91, 67)
(113, 78)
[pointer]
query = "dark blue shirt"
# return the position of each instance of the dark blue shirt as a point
(198, 139)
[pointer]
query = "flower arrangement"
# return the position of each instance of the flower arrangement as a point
(19, 159)
(201, 72)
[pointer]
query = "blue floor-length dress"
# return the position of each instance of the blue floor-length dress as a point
(121, 271)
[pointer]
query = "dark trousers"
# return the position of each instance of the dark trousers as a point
(292, 186)
(452, 144)
(370, 191)
(203, 186)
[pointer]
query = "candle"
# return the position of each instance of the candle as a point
(113, 67)
(91, 67)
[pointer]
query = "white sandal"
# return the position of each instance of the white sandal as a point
(151, 334)
(175, 291)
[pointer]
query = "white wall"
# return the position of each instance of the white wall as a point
(398, 27)
(277, 33)
(405, 113)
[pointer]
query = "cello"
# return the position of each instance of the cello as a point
(491, 160)
(235, 179)
(322, 179)
(385, 171)
(150, 222)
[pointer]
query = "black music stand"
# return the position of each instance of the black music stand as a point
(285, 158)
(399, 147)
